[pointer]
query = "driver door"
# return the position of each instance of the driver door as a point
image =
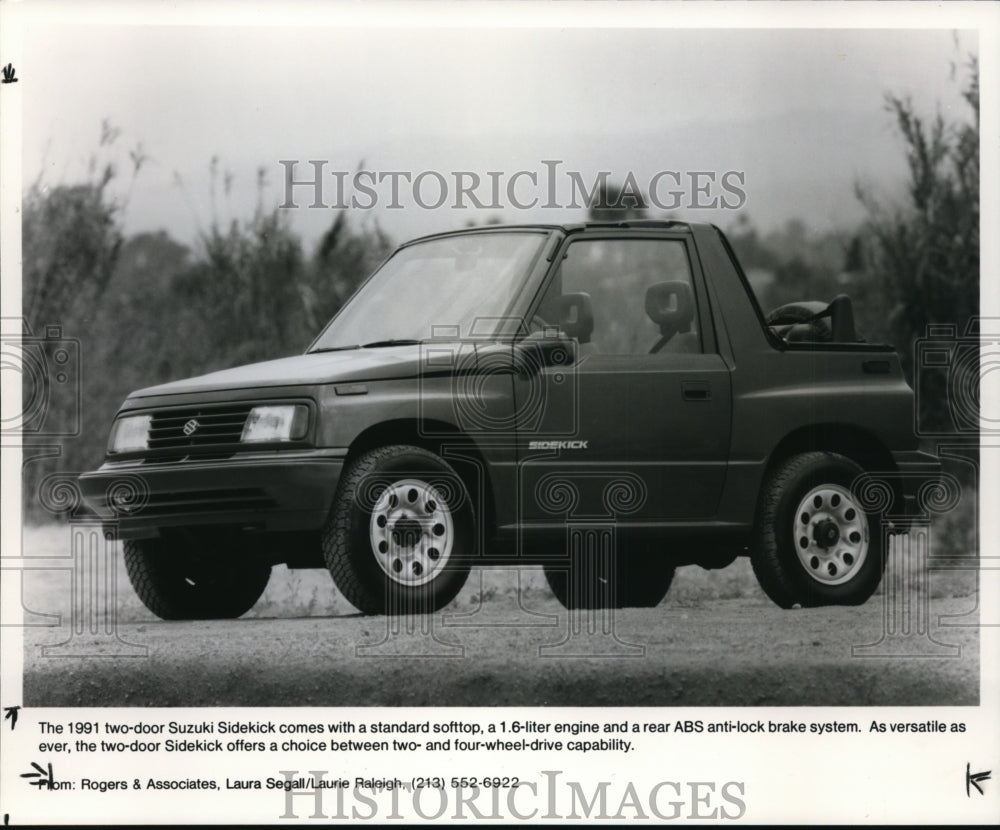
(638, 429)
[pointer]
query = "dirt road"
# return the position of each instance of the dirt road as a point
(718, 652)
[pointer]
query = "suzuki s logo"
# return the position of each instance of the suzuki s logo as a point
(557, 445)
(191, 426)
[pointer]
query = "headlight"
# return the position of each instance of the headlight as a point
(130, 433)
(276, 423)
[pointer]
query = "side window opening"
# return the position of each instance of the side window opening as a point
(624, 297)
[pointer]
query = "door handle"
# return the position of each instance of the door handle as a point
(696, 390)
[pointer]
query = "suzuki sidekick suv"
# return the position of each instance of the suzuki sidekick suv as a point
(605, 400)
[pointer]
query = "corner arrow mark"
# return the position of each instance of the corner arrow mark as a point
(10, 713)
(974, 778)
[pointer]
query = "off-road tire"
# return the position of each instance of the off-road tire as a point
(388, 582)
(641, 580)
(176, 581)
(801, 498)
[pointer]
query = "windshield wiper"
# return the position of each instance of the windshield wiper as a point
(375, 344)
(332, 349)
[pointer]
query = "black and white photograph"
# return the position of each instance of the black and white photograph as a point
(537, 412)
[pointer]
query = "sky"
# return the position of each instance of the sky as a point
(799, 114)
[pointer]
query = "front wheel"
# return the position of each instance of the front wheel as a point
(814, 544)
(191, 577)
(400, 533)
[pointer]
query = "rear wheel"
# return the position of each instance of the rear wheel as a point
(647, 579)
(814, 544)
(641, 579)
(400, 533)
(183, 576)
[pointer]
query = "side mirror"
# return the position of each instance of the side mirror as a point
(538, 351)
(576, 316)
(670, 306)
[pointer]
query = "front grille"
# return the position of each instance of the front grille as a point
(204, 426)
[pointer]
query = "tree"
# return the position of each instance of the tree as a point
(343, 259)
(71, 239)
(925, 253)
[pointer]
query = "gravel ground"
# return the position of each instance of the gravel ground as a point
(725, 652)
(715, 640)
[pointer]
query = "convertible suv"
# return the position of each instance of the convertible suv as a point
(605, 400)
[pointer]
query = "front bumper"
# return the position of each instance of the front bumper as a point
(271, 492)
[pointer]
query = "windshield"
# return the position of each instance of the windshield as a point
(457, 285)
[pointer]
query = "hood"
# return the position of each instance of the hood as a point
(386, 363)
